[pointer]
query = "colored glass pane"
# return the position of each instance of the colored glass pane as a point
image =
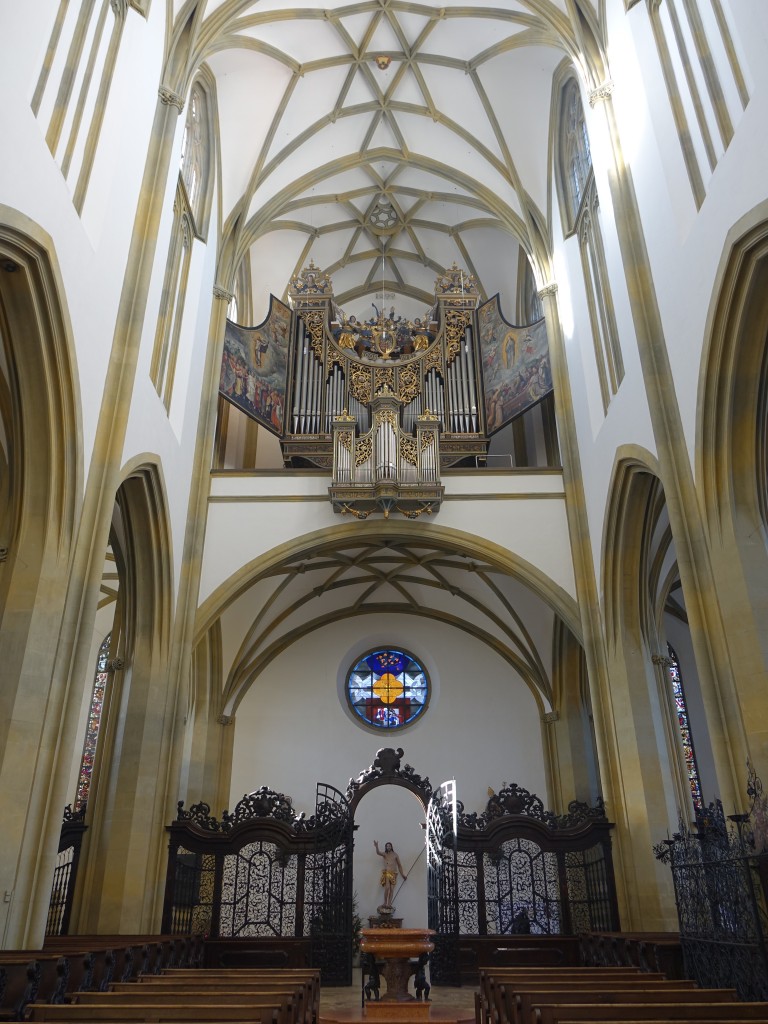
(681, 709)
(387, 689)
(92, 726)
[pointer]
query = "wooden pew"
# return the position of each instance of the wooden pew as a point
(486, 1003)
(151, 1013)
(300, 997)
(238, 977)
(28, 978)
(525, 1002)
(20, 983)
(595, 1013)
(512, 1001)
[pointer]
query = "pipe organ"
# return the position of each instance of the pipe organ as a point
(384, 404)
(387, 402)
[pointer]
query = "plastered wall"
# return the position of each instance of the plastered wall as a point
(482, 728)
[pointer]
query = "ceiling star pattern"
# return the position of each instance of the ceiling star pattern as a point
(372, 137)
(387, 577)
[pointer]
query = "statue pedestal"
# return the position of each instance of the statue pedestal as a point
(385, 921)
(396, 947)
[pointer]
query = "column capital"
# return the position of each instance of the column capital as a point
(548, 289)
(170, 98)
(222, 293)
(602, 92)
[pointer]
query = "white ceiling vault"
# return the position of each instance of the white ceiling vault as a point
(383, 577)
(384, 140)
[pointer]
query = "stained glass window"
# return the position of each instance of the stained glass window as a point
(94, 721)
(681, 710)
(387, 689)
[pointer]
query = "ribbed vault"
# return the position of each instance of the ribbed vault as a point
(304, 592)
(384, 139)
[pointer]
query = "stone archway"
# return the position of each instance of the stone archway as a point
(41, 473)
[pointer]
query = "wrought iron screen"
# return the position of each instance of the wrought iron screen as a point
(589, 877)
(442, 904)
(522, 879)
(329, 887)
(258, 892)
(266, 872)
(59, 891)
(719, 876)
(192, 908)
(65, 872)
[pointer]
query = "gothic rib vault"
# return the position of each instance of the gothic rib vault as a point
(384, 173)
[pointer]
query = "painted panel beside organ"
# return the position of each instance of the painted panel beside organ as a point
(254, 367)
(516, 370)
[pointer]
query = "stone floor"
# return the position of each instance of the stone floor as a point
(345, 1004)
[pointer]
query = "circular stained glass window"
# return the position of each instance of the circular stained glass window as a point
(387, 689)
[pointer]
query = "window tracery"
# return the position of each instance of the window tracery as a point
(190, 209)
(580, 209)
(387, 688)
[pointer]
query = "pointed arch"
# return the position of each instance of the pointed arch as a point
(41, 492)
(128, 797)
(732, 460)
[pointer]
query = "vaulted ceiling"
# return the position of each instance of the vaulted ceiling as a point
(383, 577)
(384, 140)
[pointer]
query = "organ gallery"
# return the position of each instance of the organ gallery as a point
(386, 402)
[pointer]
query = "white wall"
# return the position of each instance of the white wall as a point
(685, 245)
(294, 729)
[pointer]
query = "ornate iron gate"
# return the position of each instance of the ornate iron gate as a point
(442, 892)
(65, 873)
(328, 880)
(720, 876)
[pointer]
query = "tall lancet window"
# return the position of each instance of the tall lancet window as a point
(100, 681)
(684, 725)
(191, 209)
(705, 84)
(580, 214)
(195, 153)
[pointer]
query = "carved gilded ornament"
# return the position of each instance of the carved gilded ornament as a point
(456, 322)
(434, 359)
(363, 450)
(387, 416)
(314, 321)
(345, 439)
(408, 384)
(385, 378)
(408, 450)
(311, 281)
(360, 383)
(456, 282)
